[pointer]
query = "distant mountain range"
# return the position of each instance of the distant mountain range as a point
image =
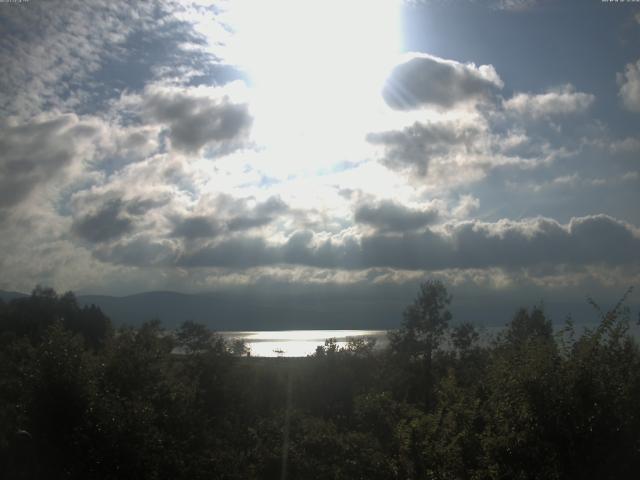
(228, 311)
(8, 296)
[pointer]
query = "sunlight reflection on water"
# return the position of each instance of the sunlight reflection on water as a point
(298, 343)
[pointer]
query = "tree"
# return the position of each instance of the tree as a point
(361, 347)
(239, 348)
(463, 337)
(414, 344)
(31, 317)
(194, 337)
(527, 326)
(425, 322)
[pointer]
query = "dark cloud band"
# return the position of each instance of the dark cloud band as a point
(588, 240)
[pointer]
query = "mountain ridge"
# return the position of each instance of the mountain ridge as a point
(236, 311)
(295, 310)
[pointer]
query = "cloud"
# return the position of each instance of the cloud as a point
(236, 253)
(195, 120)
(455, 148)
(139, 251)
(129, 144)
(629, 82)
(37, 152)
(48, 51)
(426, 80)
(141, 205)
(415, 146)
(79, 55)
(584, 240)
(195, 227)
(507, 5)
(228, 215)
(591, 240)
(118, 194)
(106, 223)
(626, 145)
(466, 205)
(515, 5)
(262, 214)
(388, 216)
(560, 101)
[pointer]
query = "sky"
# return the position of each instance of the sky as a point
(334, 150)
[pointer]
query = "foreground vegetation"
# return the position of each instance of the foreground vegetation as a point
(79, 399)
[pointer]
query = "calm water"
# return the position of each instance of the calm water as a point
(298, 343)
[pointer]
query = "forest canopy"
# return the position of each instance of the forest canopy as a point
(82, 399)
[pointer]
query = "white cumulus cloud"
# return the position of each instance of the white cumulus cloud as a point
(559, 101)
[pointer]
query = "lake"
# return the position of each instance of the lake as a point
(298, 343)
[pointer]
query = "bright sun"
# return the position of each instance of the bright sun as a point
(316, 67)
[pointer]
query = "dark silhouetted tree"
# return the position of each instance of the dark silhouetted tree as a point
(414, 344)
(527, 326)
(464, 337)
(425, 322)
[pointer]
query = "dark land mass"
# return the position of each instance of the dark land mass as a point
(300, 310)
(80, 399)
(235, 311)
(229, 311)
(8, 296)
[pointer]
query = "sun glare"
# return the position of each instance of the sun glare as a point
(316, 69)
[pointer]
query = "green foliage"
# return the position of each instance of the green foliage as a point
(194, 337)
(80, 401)
(464, 337)
(31, 316)
(425, 322)
(417, 341)
(529, 326)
